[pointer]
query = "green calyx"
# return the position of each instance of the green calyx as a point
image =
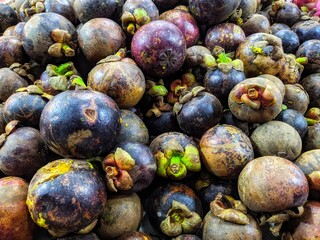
(179, 220)
(302, 60)
(65, 69)
(226, 64)
(223, 58)
(176, 161)
(63, 45)
(77, 81)
(209, 61)
(158, 90)
(35, 89)
(131, 22)
(64, 76)
(34, 7)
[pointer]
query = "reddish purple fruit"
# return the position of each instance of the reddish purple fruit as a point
(159, 48)
(185, 22)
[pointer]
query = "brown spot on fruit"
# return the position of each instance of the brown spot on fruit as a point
(91, 115)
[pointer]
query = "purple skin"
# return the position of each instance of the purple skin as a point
(145, 167)
(80, 124)
(86, 10)
(23, 153)
(37, 37)
(185, 22)
(11, 51)
(203, 10)
(148, 5)
(159, 48)
(226, 35)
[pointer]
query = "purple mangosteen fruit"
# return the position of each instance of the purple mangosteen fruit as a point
(80, 123)
(159, 48)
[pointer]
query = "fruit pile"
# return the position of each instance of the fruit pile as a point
(154, 119)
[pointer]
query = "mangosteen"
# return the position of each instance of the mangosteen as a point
(207, 187)
(187, 237)
(62, 7)
(122, 214)
(22, 152)
(272, 184)
(129, 166)
(307, 30)
(159, 48)
(311, 84)
(158, 124)
(109, 38)
(11, 51)
(49, 38)
(80, 123)
(277, 81)
(295, 119)
(185, 22)
(15, 30)
(203, 10)
(10, 82)
(255, 100)
(226, 35)
(225, 150)
(275, 27)
(66, 196)
(312, 138)
(296, 97)
(8, 17)
(290, 40)
(247, 8)
(135, 235)
(311, 50)
(86, 236)
(256, 23)
(261, 53)
(292, 69)
(228, 219)
(220, 80)
(174, 209)
(86, 10)
(197, 111)
(132, 129)
(123, 81)
(305, 227)
(164, 5)
(309, 163)
(276, 138)
(16, 223)
(285, 12)
(176, 154)
(55, 79)
(25, 106)
(136, 13)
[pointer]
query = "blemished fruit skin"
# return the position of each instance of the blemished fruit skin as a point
(15, 221)
(66, 196)
(80, 123)
(272, 184)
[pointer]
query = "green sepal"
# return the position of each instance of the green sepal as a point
(191, 158)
